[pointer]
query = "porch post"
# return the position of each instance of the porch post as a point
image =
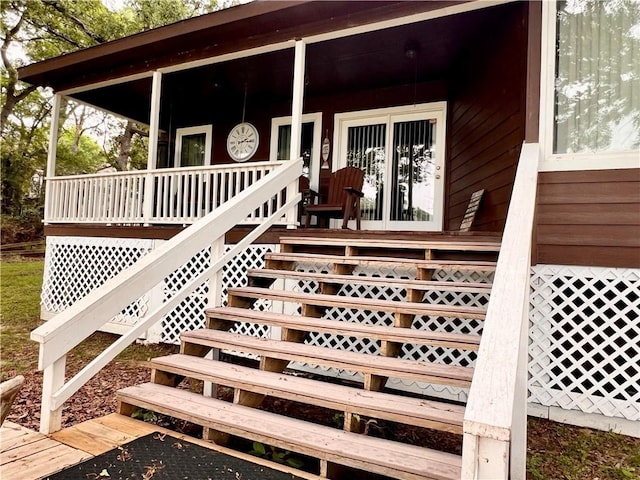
(51, 155)
(296, 121)
(154, 122)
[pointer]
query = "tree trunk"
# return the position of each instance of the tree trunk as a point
(124, 144)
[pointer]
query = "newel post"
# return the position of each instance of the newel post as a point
(152, 156)
(52, 381)
(296, 122)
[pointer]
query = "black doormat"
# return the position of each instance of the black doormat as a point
(162, 457)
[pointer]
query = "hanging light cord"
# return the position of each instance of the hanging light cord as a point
(244, 103)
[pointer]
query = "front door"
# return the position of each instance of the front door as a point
(401, 151)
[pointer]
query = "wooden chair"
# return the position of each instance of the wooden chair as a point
(343, 199)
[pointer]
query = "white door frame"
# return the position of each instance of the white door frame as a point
(436, 110)
(185, 132)
(314, 165)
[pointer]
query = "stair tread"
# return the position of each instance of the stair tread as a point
(457, 245)
(360, 303)
(356, 329)
(377, 455)
(471, 287)
(368, 260)
(359, 362)
(387, 406)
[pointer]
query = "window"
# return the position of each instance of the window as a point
(310, 143)
(597, 77)
(193, 146)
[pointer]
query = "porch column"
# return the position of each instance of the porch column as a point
(152, 156)
(296, 121)
(51, 155)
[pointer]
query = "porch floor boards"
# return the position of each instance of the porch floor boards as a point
(29, 455)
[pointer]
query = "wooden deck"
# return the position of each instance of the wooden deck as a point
(29, 455)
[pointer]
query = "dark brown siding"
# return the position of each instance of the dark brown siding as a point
(486, 124)
(589, 218)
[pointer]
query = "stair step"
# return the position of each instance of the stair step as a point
(419, 285)
(411, 308)
(455, 265)
(348, 329)
(396, 408)
(442, 245)
(329, 444)
(357, 362)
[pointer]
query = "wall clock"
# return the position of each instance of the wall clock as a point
(242, 142)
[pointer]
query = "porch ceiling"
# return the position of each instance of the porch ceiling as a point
(370, 60)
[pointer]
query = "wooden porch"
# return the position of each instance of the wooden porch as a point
(29, 455)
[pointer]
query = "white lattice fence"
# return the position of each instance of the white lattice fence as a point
(411, 352)
(189, 314)
(585, 339)
(74, 266)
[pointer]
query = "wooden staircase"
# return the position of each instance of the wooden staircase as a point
(270, 377)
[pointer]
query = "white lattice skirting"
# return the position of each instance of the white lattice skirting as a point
(74, 266)
(584, 340)
(584, 337)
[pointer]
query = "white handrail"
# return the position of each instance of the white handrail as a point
(494, 442)
(166, 196)
(67, 329)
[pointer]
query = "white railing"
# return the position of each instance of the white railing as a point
(67, 329)
(494, 442)
(176, 195)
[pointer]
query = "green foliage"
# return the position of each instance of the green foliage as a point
(277, 455)
(144, 415)
(78, 154)
(44, 29)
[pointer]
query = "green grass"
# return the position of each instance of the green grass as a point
(20, 286)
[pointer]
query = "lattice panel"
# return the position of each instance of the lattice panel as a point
(412, 352)
(75, 266)
(189, 315)
(585, 339)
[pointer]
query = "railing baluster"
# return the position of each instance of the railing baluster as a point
(178, 195)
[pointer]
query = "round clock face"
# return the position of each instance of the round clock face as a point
(242, 142)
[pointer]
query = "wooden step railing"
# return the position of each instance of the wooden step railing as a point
(496, 415)
(67, 329)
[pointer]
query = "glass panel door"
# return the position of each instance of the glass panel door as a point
(366, 149)
(402, 156)
(413, 174)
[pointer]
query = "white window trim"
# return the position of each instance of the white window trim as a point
(183, 132)
(314, 165)
(551, 162)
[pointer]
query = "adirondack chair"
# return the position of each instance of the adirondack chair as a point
(343, 199)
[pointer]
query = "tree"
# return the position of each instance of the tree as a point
(46, 28)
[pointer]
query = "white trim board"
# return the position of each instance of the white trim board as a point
(581, 419)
